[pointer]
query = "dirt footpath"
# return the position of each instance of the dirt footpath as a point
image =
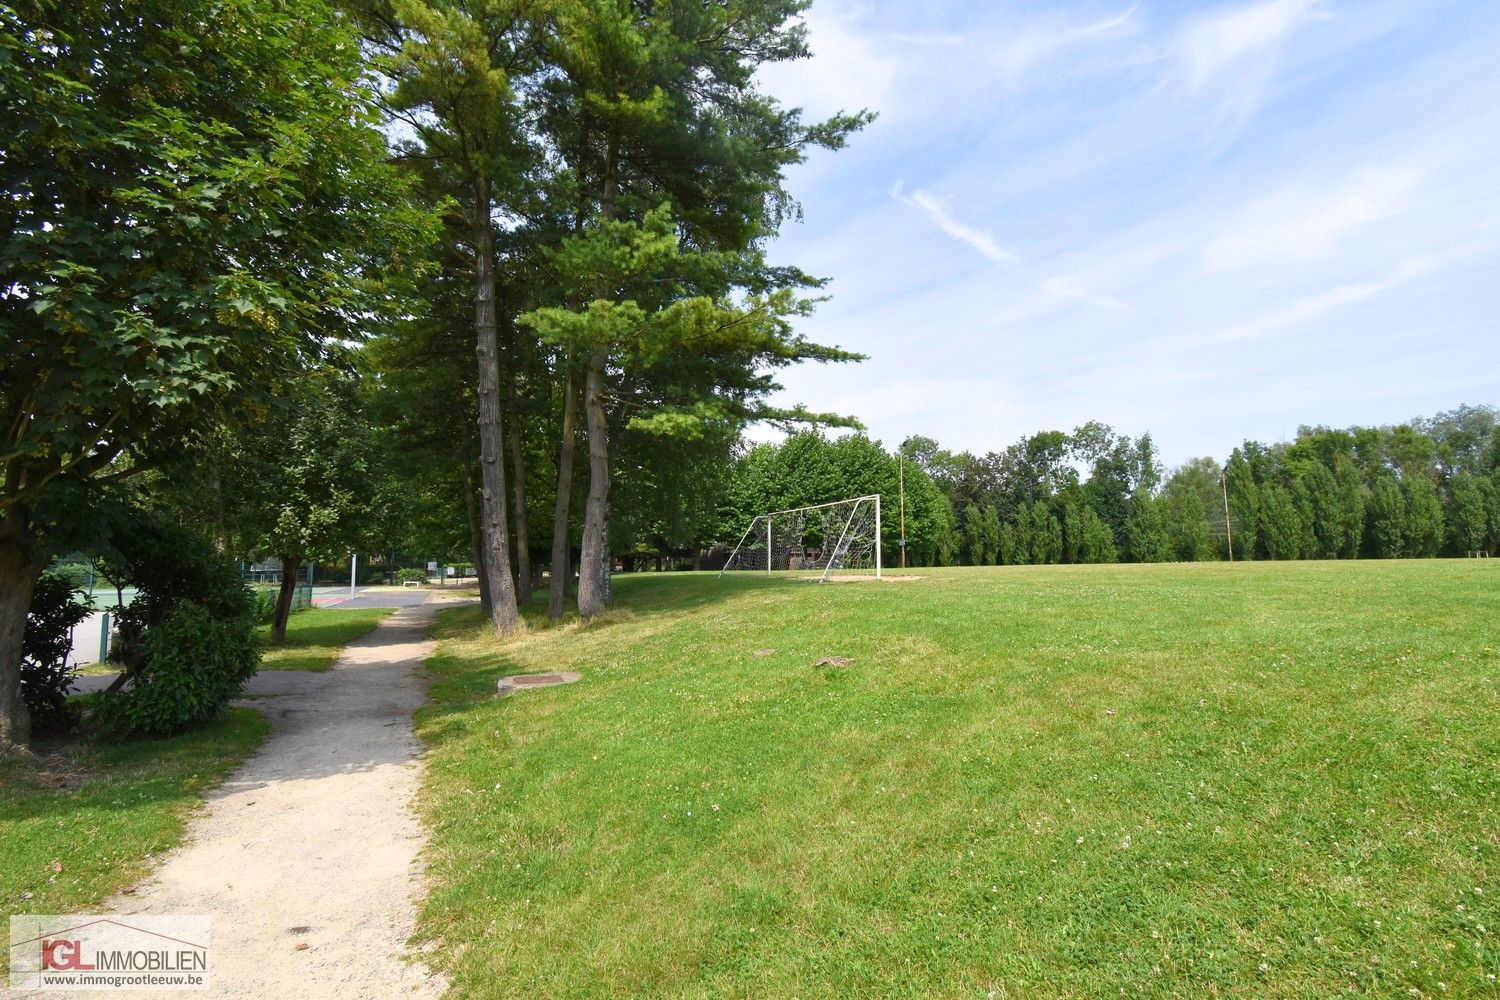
(306, 859)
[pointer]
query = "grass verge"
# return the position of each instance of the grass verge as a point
(1267, 780)
(316, 636)
(82, 823)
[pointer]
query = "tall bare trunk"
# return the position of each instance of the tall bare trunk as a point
(476, 539)
(19, 571)
(518, 490)
(496, 546)
(283, 611)
(593, 559)
(557, 593)
(593, 556)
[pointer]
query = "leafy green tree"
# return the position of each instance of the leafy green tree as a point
(1010, 551)
(1244, 506)
(1098, 544)
(1086, 538)
(1351, 503)
(941, 465)
(1468, 516)
(1410, 452)
(1190, 503)
(304, 482)
(991, 535)
(807, 468)
(1046, 535)
(1491, 490)
(453, 71)
(973, 532)
(196, 197)
(1424, 518)
(981, 531)
(678, 165)
(1321, 507)
(1146, 538)
(1281, 523)
(1387, 513)
(1465, 438)
(1024, 535)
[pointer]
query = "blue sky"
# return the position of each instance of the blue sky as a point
(1209, 221)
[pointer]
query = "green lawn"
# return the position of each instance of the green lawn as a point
(316, 636)
(1259, 780)
(82, 823)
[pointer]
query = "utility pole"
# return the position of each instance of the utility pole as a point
(1228, 532)
(901, 479)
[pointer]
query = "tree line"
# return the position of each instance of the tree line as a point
(1423, 489)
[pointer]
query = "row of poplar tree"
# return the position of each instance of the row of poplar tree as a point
(1423, 489)
(266, 255)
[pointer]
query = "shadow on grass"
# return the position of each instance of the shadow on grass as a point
(461, 683)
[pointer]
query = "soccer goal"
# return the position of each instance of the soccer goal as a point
(814, 542)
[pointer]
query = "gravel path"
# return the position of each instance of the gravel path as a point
(306, 859)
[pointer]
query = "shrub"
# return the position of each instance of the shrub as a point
(265, 604)
(411, 575)
(56, 607)
(187, 641)
(194, 664)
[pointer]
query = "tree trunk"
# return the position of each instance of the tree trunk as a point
(496, 546)
(593, 556)
(593, 560)
(476, 540)
(518, 488)
(289, 567)
(557, 594)
(19, 571)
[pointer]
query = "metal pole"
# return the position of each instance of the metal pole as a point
(725, 567)
(877, 537)
(104, 638)
(768, 546)
(353, 567)
(1228, 532)
(901, 475)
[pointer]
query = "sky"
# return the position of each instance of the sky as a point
(1209, 221)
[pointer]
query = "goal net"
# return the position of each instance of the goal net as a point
(813, 542)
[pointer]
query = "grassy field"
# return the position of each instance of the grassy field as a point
(316, 636)
(82, 823)
(1259, 780)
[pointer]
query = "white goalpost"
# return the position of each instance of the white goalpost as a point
(814, 541)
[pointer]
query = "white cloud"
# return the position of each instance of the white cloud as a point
(1147, 271)
(1303, 310)
(1034, 44)
(850, 67)
(1227, 40)
(976, 238)
(1065, 286)
(1298, 223)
